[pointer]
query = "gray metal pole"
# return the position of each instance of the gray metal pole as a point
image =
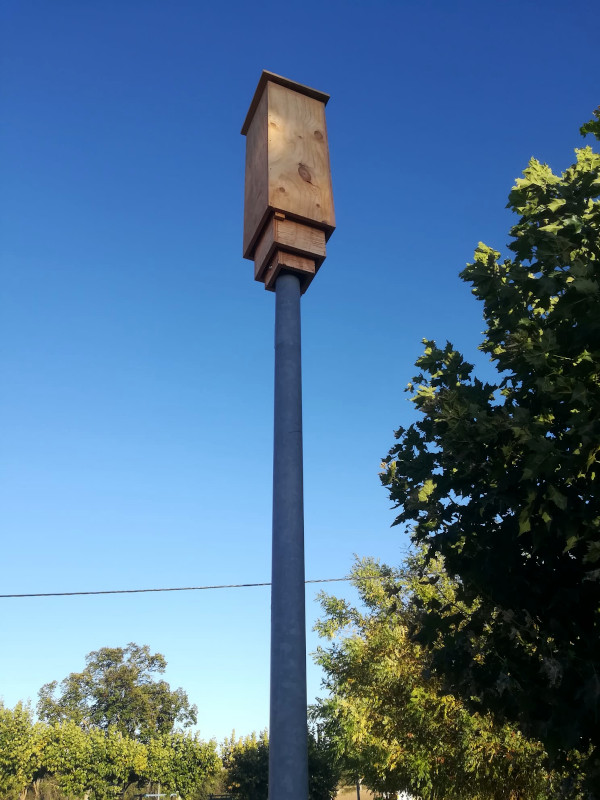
(288, 756)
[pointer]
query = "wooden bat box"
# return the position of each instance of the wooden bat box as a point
(288, 203)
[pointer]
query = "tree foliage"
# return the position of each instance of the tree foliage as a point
(67, 757)
(117, 688)
(109, 731)
(324, 766)
(593, 126)
(19, 749)
(502, 478)
(181, 763)
(246, 762)
(102, 764)
(394, 727)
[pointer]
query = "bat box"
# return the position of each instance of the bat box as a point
(288, 203)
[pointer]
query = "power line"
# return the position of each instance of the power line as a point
(180, 588)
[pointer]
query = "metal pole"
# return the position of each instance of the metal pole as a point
(288, 756)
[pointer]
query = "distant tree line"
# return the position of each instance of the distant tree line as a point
(62, 759)
(110, 732)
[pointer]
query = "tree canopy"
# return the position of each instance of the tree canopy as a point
(117, 688)
(246, 762)
(109, 730)
(394, 727)
(501, 479)
(19, 750)
(63, 759)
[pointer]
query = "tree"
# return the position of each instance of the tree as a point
(103, 763)
(182, 763)
(246, 762)
(117, 688)
(116, 762)
(67, 757)
(502, 479)
(19, 749)
(393, 726)
(324, 766)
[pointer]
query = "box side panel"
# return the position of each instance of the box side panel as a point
(298, 168)
(256, 192)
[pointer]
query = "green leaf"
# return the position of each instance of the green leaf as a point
(585, 286)
(426, 490)
(524, 521)
(557, 498)
(556, 204)
(551, 227)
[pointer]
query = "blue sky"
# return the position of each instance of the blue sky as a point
(137, 351)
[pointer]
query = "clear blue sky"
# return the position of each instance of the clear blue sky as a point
(137, 351)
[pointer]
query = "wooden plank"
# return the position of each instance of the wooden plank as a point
(274, 78)
(256, 192)
(294, 237)
(298, 157)
(300, 238)
(305, 268)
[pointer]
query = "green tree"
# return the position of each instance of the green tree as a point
(104, 764)
(324, 766)
(246, 762)
(182, 763)
(502, 479)
(393, 726)
(67, 757)
(100, 763)
(19, 749)
(117, 688)
(117, 762)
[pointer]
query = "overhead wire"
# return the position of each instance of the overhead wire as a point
(180, 588)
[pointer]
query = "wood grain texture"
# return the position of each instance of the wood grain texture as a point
(300, 238)
(291, 236)
(256, 190)
(298, 155)
(305, 268)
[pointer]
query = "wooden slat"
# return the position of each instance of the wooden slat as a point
(300, 238)
(305, 268)
(291, 236)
